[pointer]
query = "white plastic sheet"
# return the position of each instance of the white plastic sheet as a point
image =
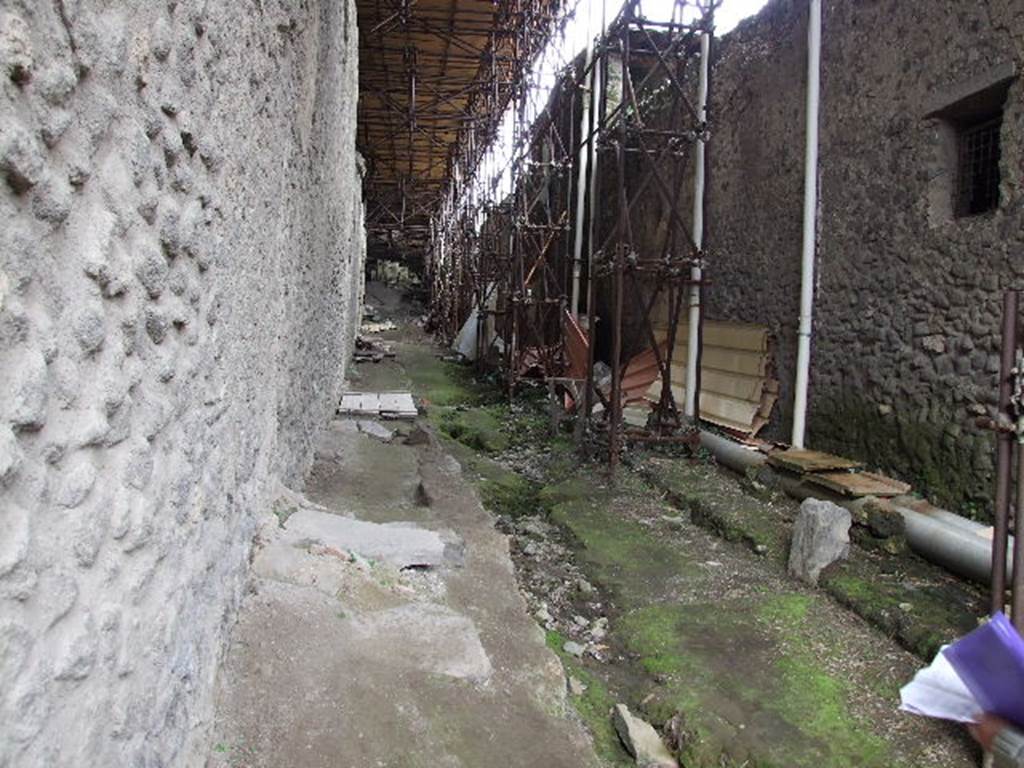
(937, 691)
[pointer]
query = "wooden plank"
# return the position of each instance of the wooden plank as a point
(717, 333)
(726, 360)
(856, 484)
(804, 461)
(400, 404)
(718, 409)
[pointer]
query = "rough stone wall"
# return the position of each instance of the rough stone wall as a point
(908, 298)
(180, 271)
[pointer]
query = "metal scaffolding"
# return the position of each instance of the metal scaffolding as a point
(647, 129)
(547, 256)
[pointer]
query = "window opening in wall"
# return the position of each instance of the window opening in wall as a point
(978, 151)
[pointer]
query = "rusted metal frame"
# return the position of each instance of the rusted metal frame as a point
(618, 112)
(623, 231)
(1004, 451)
(427, 27)
(666, 398)
(667, 197)
(666, 67)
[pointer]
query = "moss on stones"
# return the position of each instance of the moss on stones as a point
(927, 449)
(749, 684)
(479, 428)
(718, 503)
(922, 618)
(593, 706)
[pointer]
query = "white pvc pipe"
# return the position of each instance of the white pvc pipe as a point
(693, 328)
(597, 86)
(803, 358)
(581, 177)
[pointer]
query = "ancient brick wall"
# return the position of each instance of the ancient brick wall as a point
(908, 295)
(180, 273)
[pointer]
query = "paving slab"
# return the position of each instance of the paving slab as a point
(345, 657)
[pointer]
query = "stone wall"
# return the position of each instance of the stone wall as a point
(180, 275)
(908, 297)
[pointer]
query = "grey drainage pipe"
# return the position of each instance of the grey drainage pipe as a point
(960, 545)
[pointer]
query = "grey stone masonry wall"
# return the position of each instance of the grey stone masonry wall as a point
(908, 296)
(180, 275)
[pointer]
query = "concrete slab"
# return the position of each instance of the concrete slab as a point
(402, 545)
(337, 662)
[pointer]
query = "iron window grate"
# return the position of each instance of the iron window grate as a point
(978, 167)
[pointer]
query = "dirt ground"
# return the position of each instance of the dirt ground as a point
(707, 638)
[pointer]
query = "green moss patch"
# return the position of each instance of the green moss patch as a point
(634, 561)
(594, 706)
(909, 600)
(717, 502)
(480, 428)
(926, 447)
(439, 382)
(510, 494)
(749, 685)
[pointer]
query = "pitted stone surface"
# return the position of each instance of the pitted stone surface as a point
(908, 297)
(821, 536)
(181, 267)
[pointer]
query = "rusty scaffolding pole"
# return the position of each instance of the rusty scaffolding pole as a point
(648, 126)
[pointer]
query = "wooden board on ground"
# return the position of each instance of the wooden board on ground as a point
(387, 405)
(804, 461)
(856, 484)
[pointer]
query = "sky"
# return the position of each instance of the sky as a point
(584, 24)
(729, 14)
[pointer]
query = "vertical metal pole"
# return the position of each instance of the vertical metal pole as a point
(1017, 593)
(581, 171)
(615, 416)
(693, 327)
(1004, 453)
(803, 364)
(600, 111)
(706, 207)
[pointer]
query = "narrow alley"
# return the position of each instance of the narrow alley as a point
(528, 383)
(348, 638)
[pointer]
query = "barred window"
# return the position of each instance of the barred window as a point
(978, 151)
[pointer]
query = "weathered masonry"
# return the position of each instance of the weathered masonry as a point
(916, 230)
(180, 274)
(921, 222)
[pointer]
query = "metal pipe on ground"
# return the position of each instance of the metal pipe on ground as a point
(938, 535)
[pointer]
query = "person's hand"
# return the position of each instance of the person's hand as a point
(985, 731)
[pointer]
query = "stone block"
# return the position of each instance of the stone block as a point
(821, 536)
(641, 740)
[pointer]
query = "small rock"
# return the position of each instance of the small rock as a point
(531, 549)
(573, 649)
(418, 436)
(885, 522)
(821, 536)
(585, 587)
(934, 344)
(674, 522)
(576, 686)
(543, 615)
(375, 429)
(641, 740)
